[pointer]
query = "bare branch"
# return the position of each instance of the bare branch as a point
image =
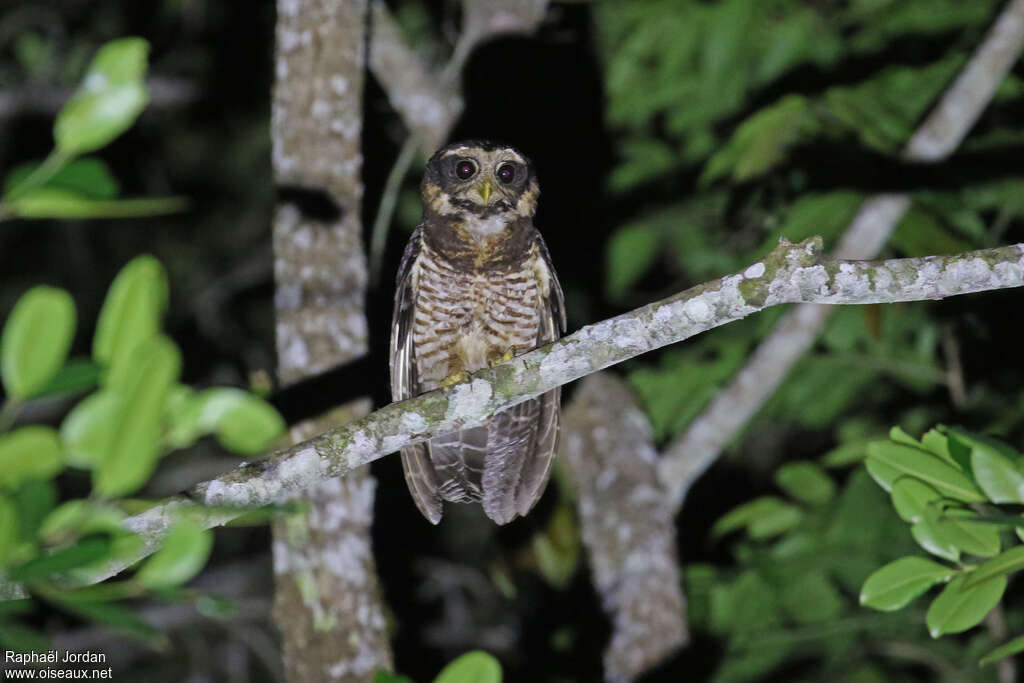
(792, 273)
(627, 525)
(692, 453)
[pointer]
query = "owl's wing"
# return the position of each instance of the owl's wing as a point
(522, 439)
(419, 472)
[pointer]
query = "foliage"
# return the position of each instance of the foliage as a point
(472, 667)
(136, 413)
(957, 491)
(110, 97)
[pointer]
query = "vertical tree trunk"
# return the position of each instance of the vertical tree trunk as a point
(327, 602)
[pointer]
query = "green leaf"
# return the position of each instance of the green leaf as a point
(36, 339)
(8, 529)
(958, 608)
(472, 667)
(106, 104)
(90, 178)
(762, 518)
(76, 377)
(806, 482)
(132, 313)
(630, 252)
(1003, 651)
(184, 552)
(80, 516)
(998, 476)
(22, 638)
(34, 501)
(155, 367)
(122, 619)
(385, 677)
(243, 423)
(31, 452)
(86, 551)
(557, 547)
(905, 460)
(90, 429)
(893, 586)
(911, 497)
(1007, 562)
(927, 535)
(960, 529)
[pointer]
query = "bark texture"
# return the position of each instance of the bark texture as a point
(627, 525)
(327, 600)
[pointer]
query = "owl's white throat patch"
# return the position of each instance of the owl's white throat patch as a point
(485, 228)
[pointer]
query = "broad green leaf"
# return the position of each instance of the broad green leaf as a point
(926, 534)
(930, 469)
(36, 339)
(971, 440)
(920, 234)
(78, 517)
(770, 514)
(184, 412)
(897, 583)
(122, 619)
(31, 452)
(8, 529)
(385, 677)
(936, 442)
(1003, 651)
(1007, 562)
(1000, 478)
(972, 537)
(90, 178)
(132, 314)
(86, 551)
(20, 638)
(812, 598)
(911, 497)
(77, 376)
(958, 608)
(90, 429)
(106, 104)
(34, 500)
(557, 547)
(156, 364)
(630, 252)
(899, 436)
(183, 553)
(806, 482)
(472, 667)
(243, 423)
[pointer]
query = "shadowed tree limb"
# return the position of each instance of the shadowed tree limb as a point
(947, 125)
(327, 602)
(627, 525)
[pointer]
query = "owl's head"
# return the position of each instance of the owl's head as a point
(480, 179)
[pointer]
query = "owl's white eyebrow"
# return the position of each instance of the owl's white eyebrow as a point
(455, 152)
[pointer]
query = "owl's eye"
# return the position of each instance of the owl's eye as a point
(465, 169)
(506, 173)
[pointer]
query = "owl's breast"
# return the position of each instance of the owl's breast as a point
(465, 319)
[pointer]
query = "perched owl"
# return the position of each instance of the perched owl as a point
(475, 287)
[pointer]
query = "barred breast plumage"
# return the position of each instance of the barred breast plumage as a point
(476, 286)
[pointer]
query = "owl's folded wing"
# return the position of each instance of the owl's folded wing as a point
(419, 472)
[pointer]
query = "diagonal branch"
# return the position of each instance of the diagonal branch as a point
(693, 452)
(792, 273)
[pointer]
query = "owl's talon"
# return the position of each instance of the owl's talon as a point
(509, 354)
(453, 379)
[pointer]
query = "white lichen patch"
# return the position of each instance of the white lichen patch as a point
(697, 310)
(413, 423)
(468, 401)
(756, 270)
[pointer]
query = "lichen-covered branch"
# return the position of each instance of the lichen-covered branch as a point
(947, 125)
(792, 273)
(627, 525)
(327, 602)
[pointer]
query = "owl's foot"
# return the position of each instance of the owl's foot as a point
(509, 354)
(453, 379)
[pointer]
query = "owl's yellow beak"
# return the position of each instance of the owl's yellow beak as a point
(484, 189)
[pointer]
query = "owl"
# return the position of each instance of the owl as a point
(476, 287)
